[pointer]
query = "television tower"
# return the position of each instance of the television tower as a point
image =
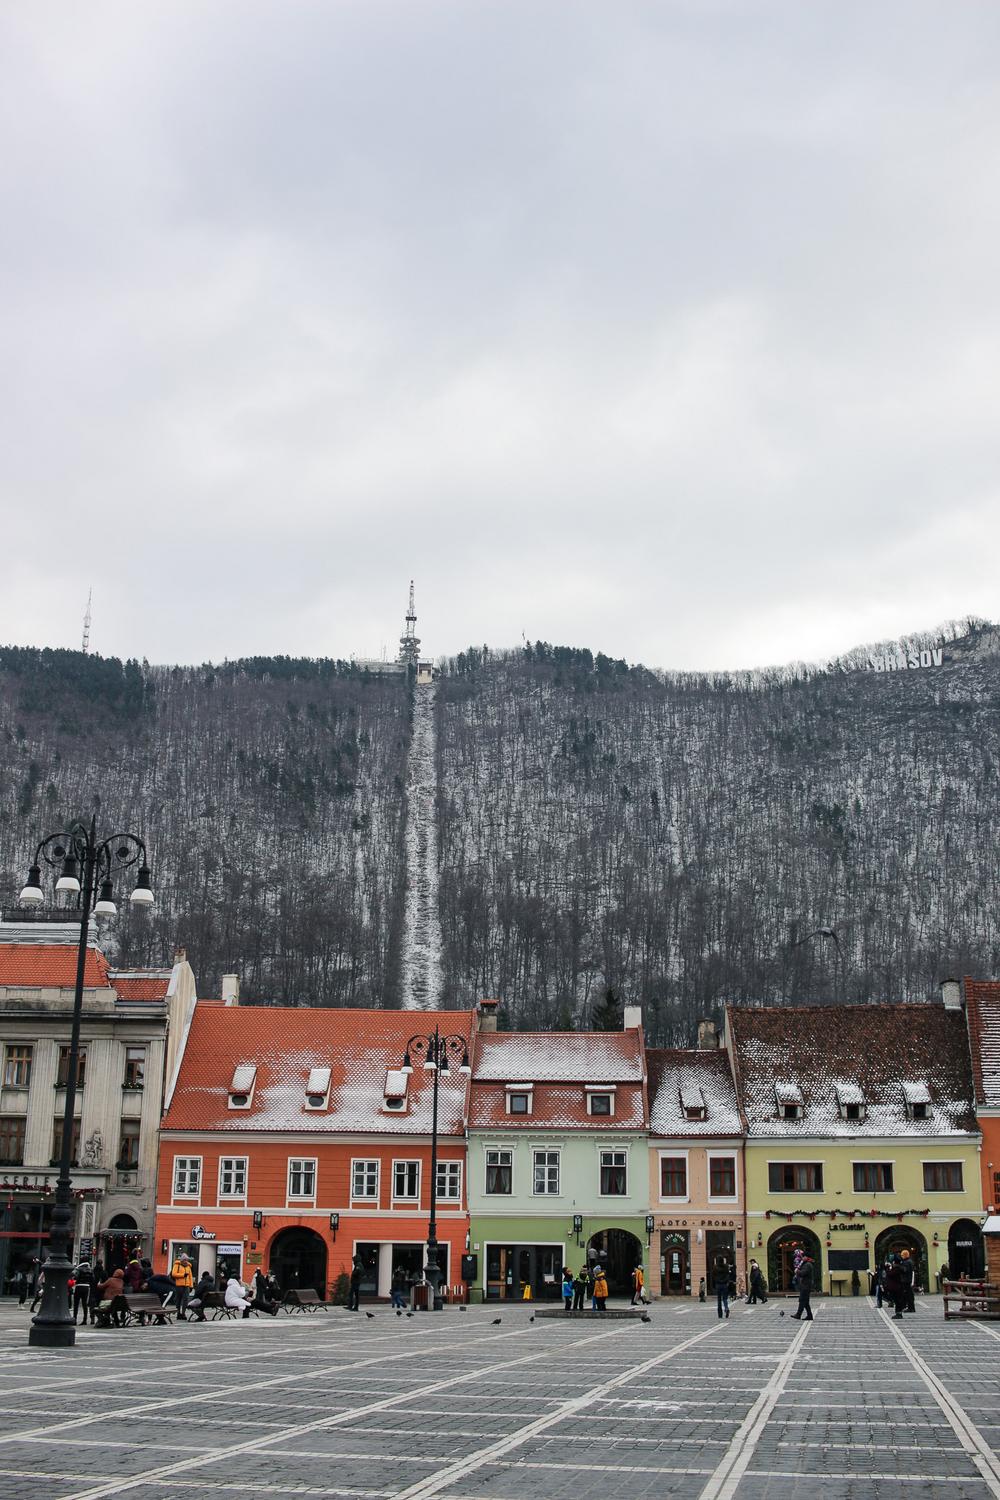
(86, 622)
(409, 641)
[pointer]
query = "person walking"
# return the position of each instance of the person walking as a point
(758, 1287)
(21, 1283)
(906, 1280)
(398, 1288)
(580, 1289)
(804, 1281)
(638, 1286)
(600, 1290)
(182, 1277)
(720, 1285)
(354, 1300)
(39, 1288)
(82, 1289)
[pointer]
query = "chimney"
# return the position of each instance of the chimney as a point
(488, 1015)
(230, 989)
(951, 994)
(631, 1017)
(180, 954)
(708, 1036)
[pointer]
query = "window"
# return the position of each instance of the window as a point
(57, 1142)
(795, 1177)
(722, 1176)
(942, 1176)
(449, 1181)
(614, 1174)
(187, 1176)
(135, 1068)
(301, 1177)
(546, 1176)
(406, 1179)
(499, 1171)
(600, 1101)
(851, 1102)
(242, 1086)
(232, 1177)
(395, 1089)
(996, 1188)
(17, 1066)
(917, 1098)
(790, 1111)
(62, 1069)
(693, 1103)
(673, 1176)
(317, 1088)
(918, 1110)
(12, 1140)
(872, 1176)
(128, 1144)
(519, 1102)
(364, 1179)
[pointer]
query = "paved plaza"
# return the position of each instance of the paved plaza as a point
(455, 1406)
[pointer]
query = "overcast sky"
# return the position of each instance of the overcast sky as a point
(670, 329)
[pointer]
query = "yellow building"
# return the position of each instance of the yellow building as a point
(861, 1139)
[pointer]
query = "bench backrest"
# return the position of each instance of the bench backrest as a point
(301, 1294)
(142, 1301)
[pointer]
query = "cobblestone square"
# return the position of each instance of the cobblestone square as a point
(340, 1405)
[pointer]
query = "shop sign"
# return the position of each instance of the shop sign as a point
(255, 1258)
(229, 1249)
(846, 1228)
(199, 1232)
(33, 1183)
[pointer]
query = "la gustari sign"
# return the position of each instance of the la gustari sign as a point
(907, 661)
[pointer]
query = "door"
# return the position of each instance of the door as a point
(674, 1265)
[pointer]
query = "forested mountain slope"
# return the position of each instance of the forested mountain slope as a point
(676, 837)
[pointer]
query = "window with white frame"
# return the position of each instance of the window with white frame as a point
(499, 1172)
(519, 1098)
(232, 1177)
(721, 1176)
(942, 1176)
(546, 1173)
(301, 1177)
(600, 1101)
(449, 1181)
(614, 1174)
(364, 1179)
(187, 1176)
(674, 1176)
(406, 1180)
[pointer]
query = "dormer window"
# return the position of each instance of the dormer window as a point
(788, 1097)
(693, 1104)
(917, 1097)
(851, 1102)
(394, 1100)
(318, 1088)
(601, 1100)
(519, 1098)
(242, 1086)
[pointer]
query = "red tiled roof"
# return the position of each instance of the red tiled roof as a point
(141, 984)
(982, 1003)
(285, 1043)
(49, 966)
(677, 1074)
(559, 1066)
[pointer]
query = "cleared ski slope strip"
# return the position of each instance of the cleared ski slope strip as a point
(421, 960)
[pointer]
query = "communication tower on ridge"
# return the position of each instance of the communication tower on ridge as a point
(409, 641)
(86, 622)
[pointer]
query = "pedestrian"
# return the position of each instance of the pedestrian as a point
(39, 1289)
(638, 1286)
(804, 1282)
(600, 1290)
(907, 1279)
(580, 1289)
(354, 1301)
(567, 1288)
(21, 1282)
(720, 1285)
(82, 1288)
(702, 1290)
(758, 1286)
(398, 1288)
(182, 1276)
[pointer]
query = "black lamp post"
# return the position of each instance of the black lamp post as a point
(87, 871)
(434, 1051)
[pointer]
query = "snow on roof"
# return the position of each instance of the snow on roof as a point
(285, 1044)
(395, 1083)
(916, 1091)
(558, 1057)
(243, 1078)
(676, 1075)
(849, 1093)
(982, 1001)
(556, 1106)
(319, 1081)
(869, 1045)
(787, 1093)
(692, 1099)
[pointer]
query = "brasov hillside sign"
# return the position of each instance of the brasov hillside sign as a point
(907, 661)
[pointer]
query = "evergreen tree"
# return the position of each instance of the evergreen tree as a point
(607, 1016)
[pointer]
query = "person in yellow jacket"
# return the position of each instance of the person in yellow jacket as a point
(638, 1285)
(182, 1276)
(600, 1289)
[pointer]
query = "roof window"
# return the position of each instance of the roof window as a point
(851, 1101)
(396, 1080)
(242, 1086)
(519, 1097)
(917, 1097)
(789, 1100)
(318, 1088)
(601, 1099)
(693, 1103)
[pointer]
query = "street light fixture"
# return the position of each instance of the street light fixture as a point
(440, 1055)
(78, 854)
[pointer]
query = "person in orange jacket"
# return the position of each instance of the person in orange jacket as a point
(600, 1289)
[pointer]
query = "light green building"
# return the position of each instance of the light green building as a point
(557, 1161)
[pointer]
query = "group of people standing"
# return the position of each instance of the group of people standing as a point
(590, 1282)
(894, 1283)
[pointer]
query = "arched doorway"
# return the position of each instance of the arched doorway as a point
(782, 1250)
(298, 1258)
(896, 1239)
(966, 1254)
(618, 1253)
(122, 1240)
(675, 1264)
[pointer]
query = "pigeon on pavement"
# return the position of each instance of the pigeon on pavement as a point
(496, 1321)
(369, 1315)
(645, 1318)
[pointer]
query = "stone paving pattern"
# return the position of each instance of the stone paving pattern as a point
(339, 1405)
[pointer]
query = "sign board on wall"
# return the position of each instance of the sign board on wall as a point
(229, 1249)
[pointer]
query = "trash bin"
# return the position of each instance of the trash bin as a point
(421, 1297)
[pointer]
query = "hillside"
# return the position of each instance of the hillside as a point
(676, 837)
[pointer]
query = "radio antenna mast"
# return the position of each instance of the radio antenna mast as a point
(86, 622)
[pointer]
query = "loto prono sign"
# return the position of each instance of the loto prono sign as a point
(907, 661)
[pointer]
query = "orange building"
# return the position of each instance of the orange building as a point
(296, 1139)
(982, 1007)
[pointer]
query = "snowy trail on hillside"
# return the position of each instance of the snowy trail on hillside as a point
(421, 961)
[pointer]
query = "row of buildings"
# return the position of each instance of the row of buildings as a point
(300, 1140)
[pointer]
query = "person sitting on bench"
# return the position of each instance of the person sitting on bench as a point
(237, 1295)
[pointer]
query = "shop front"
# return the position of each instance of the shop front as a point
(521, 1258)
(690, 1246)
(26, 1203)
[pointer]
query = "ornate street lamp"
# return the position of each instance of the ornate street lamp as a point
(87, 872)
(439, 1055)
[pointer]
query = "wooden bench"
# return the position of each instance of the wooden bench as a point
(304, 1300)
(107, 1317)
(971, 1299)
(143, 1307)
